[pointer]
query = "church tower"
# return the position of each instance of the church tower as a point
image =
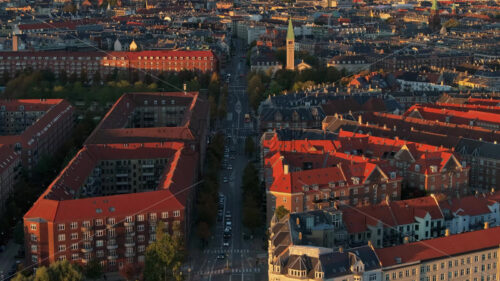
(290, 46)
(434, 19)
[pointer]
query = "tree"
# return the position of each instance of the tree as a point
(93, 270)
(249, 146)
(58, 271)
(69, 8)
(132, 271)
(164, 256)
(281, 212)
(203, 231)
(451, 23)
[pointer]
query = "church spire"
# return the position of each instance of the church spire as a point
(290, 46)
(434, 5)
(289, 34)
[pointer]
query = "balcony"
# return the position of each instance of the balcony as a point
(87, 250)
(86, 228)
(129, 254)
(112, 257)
(112, 246)
(129, 223)
(129, 243)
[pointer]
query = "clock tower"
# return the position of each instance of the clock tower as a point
(290, 46)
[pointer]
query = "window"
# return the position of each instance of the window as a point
(98, 222)
(164, 215)
(74, 246)
(61, 248)
(34, 248)
(140, 227)
(61, 237)
(140, 218)
(33, 226)
(74, 225)
(99, 243)
(74, 236)
(74, 256)
(177, 213)
(60, 227)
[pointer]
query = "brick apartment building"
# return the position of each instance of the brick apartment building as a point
(107, 62)
(156, 117)
(425, 167)
(147, 151)
(34, 128)
(466, 256)
(473, 117)
(10, 164)
(477, 145)
(363, 169)
(308, 175)
(106, 203)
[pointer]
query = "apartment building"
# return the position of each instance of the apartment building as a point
(472, 256)
(107, 62)
(477, 116)
(289, 260)
(140, 165)
(107, 202)
(34, 128)
(484, 160)
(156, 117)
(10, 167)
(307, 175)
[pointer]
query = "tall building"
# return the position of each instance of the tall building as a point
(34, 128)
(434, 19)
(138, 167)
(290, 47)
(105, 63)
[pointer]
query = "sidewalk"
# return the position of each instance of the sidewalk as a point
(7, 258)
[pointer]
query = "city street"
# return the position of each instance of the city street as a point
(237, 259)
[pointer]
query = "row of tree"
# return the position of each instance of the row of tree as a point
(207, 196)
(260, 84)
(253, 200)
(45, 84)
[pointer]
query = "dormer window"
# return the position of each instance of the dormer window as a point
(319, 275)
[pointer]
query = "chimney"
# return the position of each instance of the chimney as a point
(447, 232)
(486, 225)
(285, 169)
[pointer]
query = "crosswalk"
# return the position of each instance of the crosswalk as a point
(231, 270)
(226, 251)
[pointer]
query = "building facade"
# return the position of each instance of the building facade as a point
(105, 63)
(35, 128)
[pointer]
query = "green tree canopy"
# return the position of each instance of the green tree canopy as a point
(281, 212)
(164, 256)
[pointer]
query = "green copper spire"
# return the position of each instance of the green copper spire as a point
(289, 34)
(434, 5)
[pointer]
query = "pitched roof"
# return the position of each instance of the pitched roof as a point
(440, 247)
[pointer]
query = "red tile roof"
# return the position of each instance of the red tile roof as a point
(57, 202)
(455, 116)
(440, 247)
(390, 214)
(471, 205)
